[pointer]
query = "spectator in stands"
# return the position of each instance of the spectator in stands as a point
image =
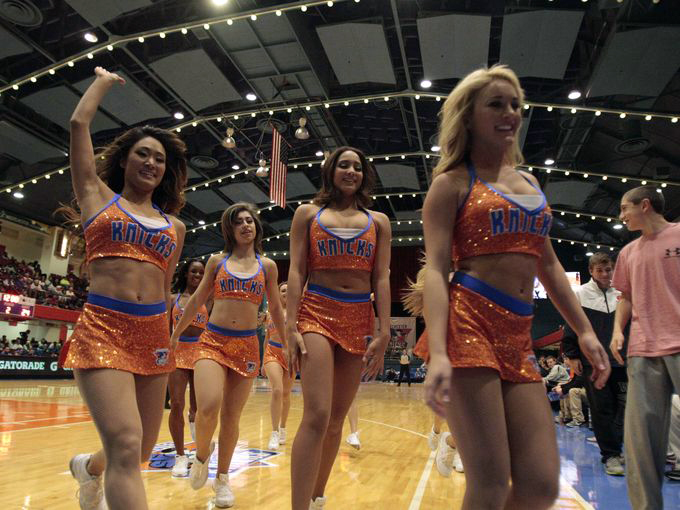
(573, 395)
(557, 375)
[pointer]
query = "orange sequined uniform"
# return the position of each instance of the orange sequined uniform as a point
(273, 351)
(488, 328)
(185, 353)
(344, 318)
(236, 349)
(111, 333)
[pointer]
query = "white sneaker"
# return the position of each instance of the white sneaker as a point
(458, 462)
(444, 456)
(318, 503)
(353, 441)
(224, 497)
(282, 435)
(91, 489)
(192, 429)
(433, 439)
(199, 470)
(273, 441)
(181, 467)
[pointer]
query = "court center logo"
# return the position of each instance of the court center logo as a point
(163, 458)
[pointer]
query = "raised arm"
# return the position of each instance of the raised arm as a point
(273, 296)
(439, 218)
(91, 192)
(297, 277)
(374, 358)
(198, 298)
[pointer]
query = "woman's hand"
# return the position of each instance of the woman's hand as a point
(437, 383)
(296, 349)
(103, 74)
(374, 357)
(174, 340)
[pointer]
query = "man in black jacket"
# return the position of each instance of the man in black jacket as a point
(607, 406)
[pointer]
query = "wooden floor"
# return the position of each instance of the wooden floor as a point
(44, 423)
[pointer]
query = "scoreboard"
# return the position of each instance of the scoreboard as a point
(16, 307)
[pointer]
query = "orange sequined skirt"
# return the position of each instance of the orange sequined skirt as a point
(345, 319)
(232, 348)
(488, 328)
(273, 352)
(186, 351)
(111, 333)
(421, 349)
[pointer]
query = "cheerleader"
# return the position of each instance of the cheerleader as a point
(120, 350)
(188, 279)
(341, 251)
(228, 353)
(491, 222)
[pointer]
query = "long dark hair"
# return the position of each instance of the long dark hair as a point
(228, 219)
(329, 194)
(179, 282)
(168, 196)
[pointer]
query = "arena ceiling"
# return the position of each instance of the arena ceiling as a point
(353, 69)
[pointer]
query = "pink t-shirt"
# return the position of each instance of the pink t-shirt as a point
(648, 270)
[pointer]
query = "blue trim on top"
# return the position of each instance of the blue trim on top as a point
(188, 339)
(139, 309)
(493, 294)
(147, 229)
(275, 344)
(230, 332)
(529, 212)
(347, 297)
(325, 229)
(92, 218)
(259, 268)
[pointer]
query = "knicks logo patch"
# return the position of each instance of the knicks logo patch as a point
(250, 367)
(162, 356)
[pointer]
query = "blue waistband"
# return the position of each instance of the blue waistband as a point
(142, 310)
(275, 344)
(492, 294)
(188, 339)
(348, 297)
(230, 332)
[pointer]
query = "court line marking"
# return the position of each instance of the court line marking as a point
(64, 425)
(422, 483)
(20, 422)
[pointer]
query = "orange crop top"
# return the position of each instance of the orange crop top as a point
(199, 321)
(230, 286)
(114, 232)
(329, 251)
(490, 222)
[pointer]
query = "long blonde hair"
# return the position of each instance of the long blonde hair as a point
(454, 138)
(412, 297)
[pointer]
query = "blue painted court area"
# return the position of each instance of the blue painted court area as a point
(582, 469)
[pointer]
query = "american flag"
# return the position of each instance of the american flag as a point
(277, 177)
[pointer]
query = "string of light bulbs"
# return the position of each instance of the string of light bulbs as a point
(141, 37)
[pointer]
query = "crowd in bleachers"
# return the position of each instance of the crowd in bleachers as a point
(27, 279)
(22, 346)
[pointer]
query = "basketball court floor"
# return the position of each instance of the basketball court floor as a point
(44, 423)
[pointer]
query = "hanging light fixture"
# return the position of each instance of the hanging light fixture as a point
(301, 133)
(262, 170)
(229, 142)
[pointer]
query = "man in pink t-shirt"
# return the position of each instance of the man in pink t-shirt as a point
(648, 275)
